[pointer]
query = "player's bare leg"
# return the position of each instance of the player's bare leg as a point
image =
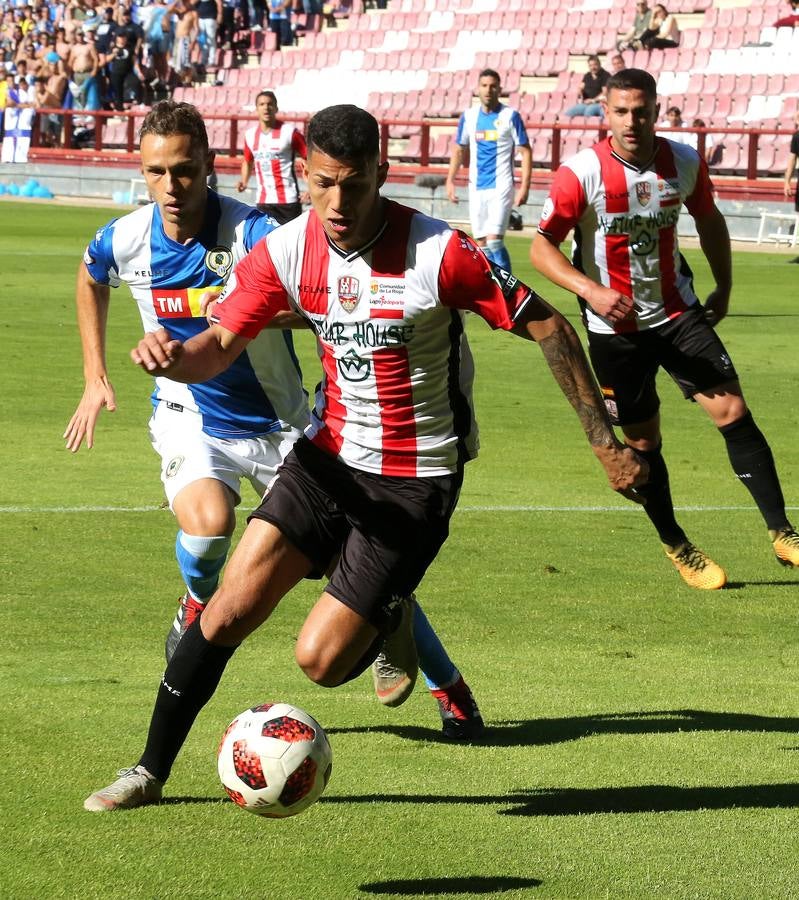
(334, 643)
(205, 512)
(262, 569)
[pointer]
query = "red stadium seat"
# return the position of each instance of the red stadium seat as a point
(689, 39)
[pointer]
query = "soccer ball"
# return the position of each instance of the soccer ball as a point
(274, 760)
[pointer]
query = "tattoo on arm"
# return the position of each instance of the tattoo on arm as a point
(565, 357)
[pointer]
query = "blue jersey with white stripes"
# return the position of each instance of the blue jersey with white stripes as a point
(492, 138)
(262, 390)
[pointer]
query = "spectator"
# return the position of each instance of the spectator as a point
(6, 87)
(62, 45)
(104, 33)
(617, 63)
(48, 97)
(209, 18)
(793, 156)
(185, 40)
(592, 91)
(48, 46)
(674, 120)
(279, 22)
(631, 40)
(132, 31)
(227, 27)
(663, 30)
(42, 25)
(790, 21)
(713, 151)
(84, 64)
(313, 15)
(157, 26)
(123, 74)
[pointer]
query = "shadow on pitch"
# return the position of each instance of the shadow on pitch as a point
(643, 798)
(424, 887)
(541, 732)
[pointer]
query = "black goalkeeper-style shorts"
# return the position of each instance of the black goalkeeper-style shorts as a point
(626, 365)
(388, 529)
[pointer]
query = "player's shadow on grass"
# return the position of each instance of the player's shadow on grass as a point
(425, 887)
(642, 798)
(540, 732)
(737, 585)
(647, 798)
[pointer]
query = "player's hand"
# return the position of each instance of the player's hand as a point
(208, 301)
(610, 304)
(241, 186)
(97, 394)
(521, 197)
(157, 352)
(787, 189)
(717, 306)
(626, 470)
(453, 197)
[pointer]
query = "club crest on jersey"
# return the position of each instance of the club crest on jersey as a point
(348, 292)
(219, 261)
(174, 464)
(643, 190)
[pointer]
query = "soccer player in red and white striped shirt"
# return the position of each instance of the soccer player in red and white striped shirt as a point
(270, 150)
(386, 290)
(623, 198)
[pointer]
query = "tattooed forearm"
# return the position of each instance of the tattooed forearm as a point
(565, 357)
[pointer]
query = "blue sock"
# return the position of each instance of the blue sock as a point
(437, 668)
(497, 252)
(201, 560)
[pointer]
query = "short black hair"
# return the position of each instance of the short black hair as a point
(633, 79)
(266, 94)
(169, 117)
(489, 73)
(344, 132)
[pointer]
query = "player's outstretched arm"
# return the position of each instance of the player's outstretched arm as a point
(714, 239)
(199, 359)
(92, 301)
(522, 192)
(454, 164)
(567, 361)
(552, 264)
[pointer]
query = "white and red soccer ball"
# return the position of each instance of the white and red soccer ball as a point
(274, 760)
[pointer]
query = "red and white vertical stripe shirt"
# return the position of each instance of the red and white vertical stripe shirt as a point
(625, 226)
(272, 154)
(396, 396)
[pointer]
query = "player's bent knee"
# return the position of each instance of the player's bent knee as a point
(322, 671)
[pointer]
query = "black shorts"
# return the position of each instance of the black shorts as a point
(281, 212)
(388, 529)
(626, 364)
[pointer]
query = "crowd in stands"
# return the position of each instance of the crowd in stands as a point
(86, 55)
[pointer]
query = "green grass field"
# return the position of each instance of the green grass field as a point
(643, 736)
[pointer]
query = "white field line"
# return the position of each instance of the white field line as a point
(11, 510)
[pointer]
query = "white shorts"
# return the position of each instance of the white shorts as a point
(189, 454)
(489, 211)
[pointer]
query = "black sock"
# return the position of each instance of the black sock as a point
(659, 506)
(753, 463)
(187, 685)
